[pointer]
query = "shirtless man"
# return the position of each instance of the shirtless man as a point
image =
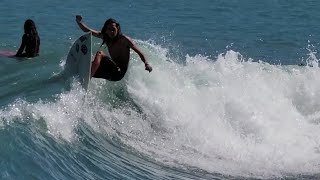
(115, 67)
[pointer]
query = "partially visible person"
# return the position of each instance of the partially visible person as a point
(30, 40)
(115, 67)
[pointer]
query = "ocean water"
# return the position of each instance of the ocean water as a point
(227, 97)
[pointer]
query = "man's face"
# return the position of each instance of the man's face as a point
(112, 30)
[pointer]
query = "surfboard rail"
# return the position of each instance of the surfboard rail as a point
(78, 62)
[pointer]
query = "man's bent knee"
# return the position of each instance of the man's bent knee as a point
(97, 58)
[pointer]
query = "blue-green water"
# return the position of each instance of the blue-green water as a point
(226, 98)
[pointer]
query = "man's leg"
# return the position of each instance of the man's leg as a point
(96, 62)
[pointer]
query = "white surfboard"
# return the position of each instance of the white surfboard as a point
(78, 63)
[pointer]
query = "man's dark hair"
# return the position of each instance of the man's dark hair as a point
(106, 38)
(30, 27)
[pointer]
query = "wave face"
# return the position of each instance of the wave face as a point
(205, 118)
(234, 93)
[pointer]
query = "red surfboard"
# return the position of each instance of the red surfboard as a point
(8, 53)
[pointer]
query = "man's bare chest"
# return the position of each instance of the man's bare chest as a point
(118, 49)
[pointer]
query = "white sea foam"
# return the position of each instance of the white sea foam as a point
(231, 115)
(225, 114)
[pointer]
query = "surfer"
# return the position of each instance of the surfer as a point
(30, 41)
(112, 68)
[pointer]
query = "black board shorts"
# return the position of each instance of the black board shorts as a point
(108, 70)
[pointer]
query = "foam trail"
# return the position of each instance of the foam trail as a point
(226, 115)
(231, 115)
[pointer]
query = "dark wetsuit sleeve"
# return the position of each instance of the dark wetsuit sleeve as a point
(32, 46)
(22, 46)
(38, 44)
